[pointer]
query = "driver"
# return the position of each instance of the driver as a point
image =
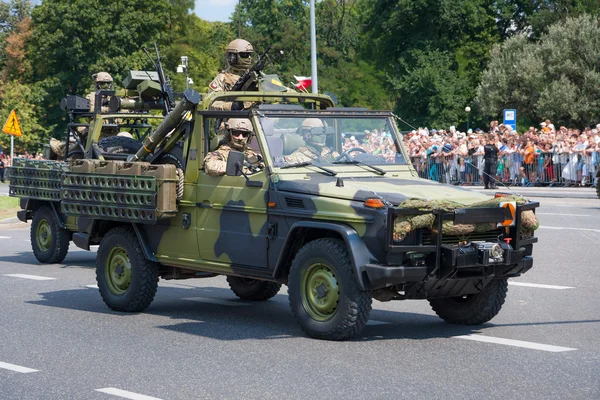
(238, 134)
(313, 133)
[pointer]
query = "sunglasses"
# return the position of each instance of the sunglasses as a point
(242, 133)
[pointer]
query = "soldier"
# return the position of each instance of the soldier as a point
(312, 130)
(238, 135)
(239, 59)
(102, 81)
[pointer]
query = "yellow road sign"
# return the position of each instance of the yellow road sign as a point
(12, 126)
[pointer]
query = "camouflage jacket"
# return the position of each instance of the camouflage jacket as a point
(215, 163)
(308, 153)
(224, 83)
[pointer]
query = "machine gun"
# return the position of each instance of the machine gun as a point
(250, 77)
(165, 83)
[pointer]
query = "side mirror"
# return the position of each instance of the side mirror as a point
(235, 161)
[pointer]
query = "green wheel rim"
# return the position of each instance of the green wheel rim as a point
(320, 292)
(43, 235)
(118, 271)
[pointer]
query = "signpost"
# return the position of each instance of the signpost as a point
(13, 128)
(510, 119)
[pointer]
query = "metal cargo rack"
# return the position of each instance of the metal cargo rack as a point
(36, 179)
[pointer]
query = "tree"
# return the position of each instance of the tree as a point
(533, 17)
(433, 52)
(557, 77)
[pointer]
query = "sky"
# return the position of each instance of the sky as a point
(215, 10)
(209, 10)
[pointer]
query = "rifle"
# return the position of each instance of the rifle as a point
(165, 83)
(251, 75)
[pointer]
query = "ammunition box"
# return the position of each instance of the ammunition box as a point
(166, 181)
(132, 168)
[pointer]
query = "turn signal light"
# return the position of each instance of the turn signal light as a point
(374, 203)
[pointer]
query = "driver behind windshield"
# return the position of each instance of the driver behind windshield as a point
(313, 133)
(238, 135)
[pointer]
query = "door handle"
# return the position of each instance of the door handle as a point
(204, 205)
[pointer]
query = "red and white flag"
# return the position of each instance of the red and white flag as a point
(303, 82)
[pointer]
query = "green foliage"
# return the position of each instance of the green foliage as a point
(433, 52)
(557, 77)
(24, 99)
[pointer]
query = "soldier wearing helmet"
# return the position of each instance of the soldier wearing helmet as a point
(239, 59)
(238, 134)
(313, 133)
(102, 81)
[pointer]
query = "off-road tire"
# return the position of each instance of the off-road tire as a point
(252, 289)
(472, 309)
(327, 258)
(119, 145)
(137, 294)
(50, 243)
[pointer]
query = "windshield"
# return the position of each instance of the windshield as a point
(331, 140)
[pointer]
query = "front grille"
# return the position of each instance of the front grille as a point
(491, 236)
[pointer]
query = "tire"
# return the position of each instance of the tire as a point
(323, 292)
(126, 279)
(119, 145)
(252, 289)
(472, 309)
(50, 243)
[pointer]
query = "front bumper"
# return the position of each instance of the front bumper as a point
(444, 265)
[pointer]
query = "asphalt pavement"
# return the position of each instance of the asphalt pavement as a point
(198, 341)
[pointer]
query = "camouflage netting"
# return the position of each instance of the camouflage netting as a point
(405, 224)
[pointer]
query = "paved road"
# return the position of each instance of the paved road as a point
(3, 189)
(197, 341)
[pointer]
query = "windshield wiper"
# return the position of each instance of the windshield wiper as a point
(356, 162)
(307, 163)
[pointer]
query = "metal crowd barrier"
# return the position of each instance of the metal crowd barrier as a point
(544, 169)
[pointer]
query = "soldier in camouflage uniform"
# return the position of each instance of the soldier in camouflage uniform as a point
(239, 59)
(312, 130)
(238, 135)
(102, 81)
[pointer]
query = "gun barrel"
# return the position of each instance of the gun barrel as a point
(191, 98)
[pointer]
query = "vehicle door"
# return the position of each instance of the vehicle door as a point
(232, 217)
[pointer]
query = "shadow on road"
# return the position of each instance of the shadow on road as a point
(241, 320)
(77, 259)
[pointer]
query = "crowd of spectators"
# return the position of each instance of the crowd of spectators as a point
(542, 156)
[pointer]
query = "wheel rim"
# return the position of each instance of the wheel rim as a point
(320, 292)
(118, 271)
(43, 235)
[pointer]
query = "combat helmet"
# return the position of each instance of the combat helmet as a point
(103, 80)
(313, 132)
(239, 55)
(239, 132)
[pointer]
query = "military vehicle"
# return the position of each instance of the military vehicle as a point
(339, 231)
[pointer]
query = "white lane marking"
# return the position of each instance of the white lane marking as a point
(515, 343)
(16, 368)
(92, 286)
(216, 301)
(560, 228)
(4, 237)
(125, 394)
(566, 215)
(374, 322)
(33, 277)
(538, 285)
